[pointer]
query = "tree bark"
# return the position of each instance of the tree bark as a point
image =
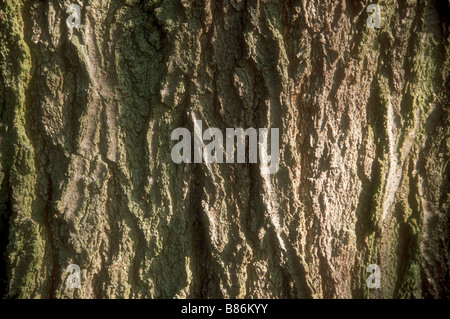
(85, 149)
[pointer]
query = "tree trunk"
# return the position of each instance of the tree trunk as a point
(87, 176)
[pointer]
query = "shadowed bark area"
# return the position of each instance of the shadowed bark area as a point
(86, 174)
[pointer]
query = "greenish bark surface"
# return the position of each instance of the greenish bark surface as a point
(86, 175)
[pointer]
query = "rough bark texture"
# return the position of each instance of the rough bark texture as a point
(85, 136)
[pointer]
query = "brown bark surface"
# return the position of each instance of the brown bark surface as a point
(87, 178)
